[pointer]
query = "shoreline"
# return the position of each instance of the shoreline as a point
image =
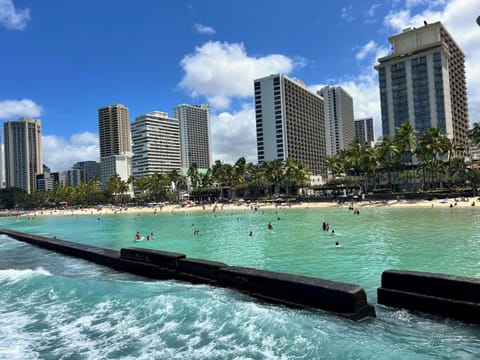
(174, 208)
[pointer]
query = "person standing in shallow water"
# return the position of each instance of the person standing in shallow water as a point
(270, 226)
(324, 226)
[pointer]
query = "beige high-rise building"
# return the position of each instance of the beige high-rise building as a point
(423, 82)
(339, 122)
(115, 143)
(23, 153)
(195, 138)
(114, 130)
(290, 122)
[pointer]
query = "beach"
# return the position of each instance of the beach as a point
(467, 202)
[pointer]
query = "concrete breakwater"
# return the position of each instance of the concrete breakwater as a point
(342, 299)
(452, 296)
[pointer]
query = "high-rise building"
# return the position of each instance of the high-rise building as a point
(115, 145)
(156, 144)
(88, 170)
(45, 180)
(339, 123)
(195, 135)
(364, 130)
(23, 153)
(290, 122)
(114, 130)
(423, 82)
(112, 165)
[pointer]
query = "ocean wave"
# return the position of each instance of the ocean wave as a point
(15, 275)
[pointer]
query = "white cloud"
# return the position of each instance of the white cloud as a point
(222, 71)
(458, 17)
(371, 12)
(369, 47)
(60, 154)
(202, 29)
(233, 135)
(12, 109)
(11, 18)
(346, 14)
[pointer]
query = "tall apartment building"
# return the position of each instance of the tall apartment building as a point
(364, 130)
(195, 137)
(290, 122)
(423, 82)
(115, 143)
(339, 123)
(23, 153)
(156, 144)
(114, 130)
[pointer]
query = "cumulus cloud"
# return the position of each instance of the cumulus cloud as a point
(12, 18)
(233, 135)
(202, 29)
(60, 154)
(12, 109)
(458, 17)
(222, 71)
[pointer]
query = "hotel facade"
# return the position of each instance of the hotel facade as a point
(289, 122)
(339, 123)
(156, 144)
(115, 143)
(23, 153)
(423, 82)
(364, 130)
(195, 136)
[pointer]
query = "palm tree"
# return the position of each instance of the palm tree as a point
(295, 176)
(432, 144)
(405, 140)
(333, 164)
(474, 134)
(273, 171)
(178, 182)
(239, 171)
(369, 164)
(387, 151)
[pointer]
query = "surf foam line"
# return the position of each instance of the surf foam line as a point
(347, 300)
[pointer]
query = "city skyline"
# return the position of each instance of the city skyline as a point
(61, 68)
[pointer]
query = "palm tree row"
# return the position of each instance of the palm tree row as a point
(252, 180)
(393, 159)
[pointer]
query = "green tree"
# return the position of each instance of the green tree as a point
(405, 141)
(387, 152)
(474, 134)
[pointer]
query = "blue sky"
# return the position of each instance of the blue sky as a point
(62, 60)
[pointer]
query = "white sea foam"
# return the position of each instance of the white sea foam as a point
(15, 275)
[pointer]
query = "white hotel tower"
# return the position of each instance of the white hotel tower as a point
(290, 122)
(156, 144)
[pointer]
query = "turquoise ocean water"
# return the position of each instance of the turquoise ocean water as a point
(56, 307)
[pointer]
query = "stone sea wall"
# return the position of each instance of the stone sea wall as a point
(342, 299)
